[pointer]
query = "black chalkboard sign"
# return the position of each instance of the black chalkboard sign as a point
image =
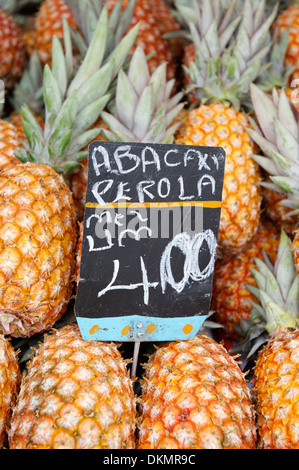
(150, 238)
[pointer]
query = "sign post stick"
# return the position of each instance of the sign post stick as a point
(135, 359)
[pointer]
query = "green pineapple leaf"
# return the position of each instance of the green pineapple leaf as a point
(74, 97)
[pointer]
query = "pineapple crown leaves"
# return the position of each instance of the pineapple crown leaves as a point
(203, 14)
(209, 24)
(144, 108)
(277, 299)
(275, 71)
(29, 89)
(87, 13)
(210, 324)
(96, 55)
(277, 289)
(73, 99)
(254, 29)
(276, 133)
(226, 73)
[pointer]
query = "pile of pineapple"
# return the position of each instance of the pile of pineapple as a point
(199, 72)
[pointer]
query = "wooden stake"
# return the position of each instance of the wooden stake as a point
(135, 359)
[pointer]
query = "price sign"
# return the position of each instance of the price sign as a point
(149, 243)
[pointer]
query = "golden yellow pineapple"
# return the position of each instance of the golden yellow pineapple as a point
(38, 229)
(222, 126)
(49, 24)
(276, 385)
(231, 299)
(75, 395)
(12, 50)
(10, 378)
(194, 396)
(220, 82)
(37, 244)
(9, 141)
(289, 19)
(272, 339)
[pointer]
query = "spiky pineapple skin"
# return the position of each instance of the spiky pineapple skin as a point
(150, 35)
(289, 18)
(76, 395)
(195, 396)
(49, 24)
(276, 388)
(9, 141)
(168, 24)
(12, 50)
(10, 378)
(37, 248)
(231, 299)
(278, 213)
(223, 126)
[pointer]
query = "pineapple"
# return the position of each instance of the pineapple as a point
(12, 50)
(38, 239)
(195, 396)
(75, 395)
(38, 228)
(27, 91)
(168, 25)
(144, 107)
(150, 36)
(49, 24)
(276, 132)
(204, 17)
(289, 19)
(24, 13)
(226, 61)
(9, 141)
(276, 386)
(118, 23)
(273, 337)
(277, 71)
(10, 378)
(231, 300)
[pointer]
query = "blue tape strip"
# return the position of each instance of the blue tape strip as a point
(140, 328)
